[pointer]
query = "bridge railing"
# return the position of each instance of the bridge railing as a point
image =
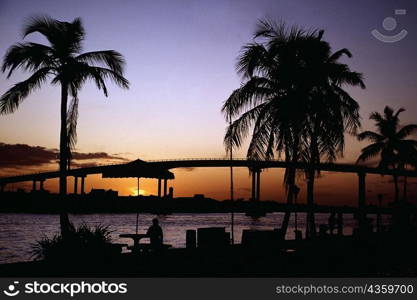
(115, 164)
(199, 159)
(339, 165)
(57, 170)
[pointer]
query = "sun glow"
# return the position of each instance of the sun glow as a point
(134, 191)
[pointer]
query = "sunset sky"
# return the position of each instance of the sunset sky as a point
(181, 58)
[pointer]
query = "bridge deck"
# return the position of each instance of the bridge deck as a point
(125, 170)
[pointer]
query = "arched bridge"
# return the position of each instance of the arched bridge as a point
(159, 169)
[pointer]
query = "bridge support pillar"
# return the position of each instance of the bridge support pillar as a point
(361, 199)
(159, 188)
(41, 185)
(258, 185)
(2, 187)
(82, 185)
(75, 185)
(33, 185)
(165, 187)
(253, 186)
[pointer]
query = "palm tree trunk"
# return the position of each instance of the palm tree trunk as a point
(405, 189)
(290, 196)
(396, 188)
(290, 183)
(311, 224)
(311, 173)
(63, 158)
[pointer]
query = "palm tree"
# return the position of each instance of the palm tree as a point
(63, 63)
(391, 143)
(292, 96)
(330, 110)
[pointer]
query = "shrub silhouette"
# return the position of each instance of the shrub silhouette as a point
(86, 245)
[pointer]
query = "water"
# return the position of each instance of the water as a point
(19, 231)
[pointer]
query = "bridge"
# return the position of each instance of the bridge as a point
(160, 170)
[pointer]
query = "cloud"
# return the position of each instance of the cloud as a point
(19, 156)
(95, 155)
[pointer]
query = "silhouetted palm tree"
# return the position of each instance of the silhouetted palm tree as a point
(63, 62)
(391, 143)
(292, 96)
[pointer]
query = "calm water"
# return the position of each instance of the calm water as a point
(19, 231)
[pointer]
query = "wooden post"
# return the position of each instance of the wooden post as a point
(75, 185)
(82, 185)
(253, 186)
(165, 188)
(159, 188)
(258, 185)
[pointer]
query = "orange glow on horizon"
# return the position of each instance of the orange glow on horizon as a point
(134, 191)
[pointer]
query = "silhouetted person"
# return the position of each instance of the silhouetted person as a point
(155, 234)
(332, 222)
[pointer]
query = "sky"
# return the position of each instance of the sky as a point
(181, 57)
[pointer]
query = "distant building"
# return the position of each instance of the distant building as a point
(102, 193)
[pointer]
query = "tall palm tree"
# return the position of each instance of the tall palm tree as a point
(62, 62)
(331, 111)
(390, 142)
(292, 96)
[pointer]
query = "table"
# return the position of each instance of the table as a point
(136, 237)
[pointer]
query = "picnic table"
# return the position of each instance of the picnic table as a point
(137, 246)
(136, 237)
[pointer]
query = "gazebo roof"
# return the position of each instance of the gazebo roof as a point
(137, 168)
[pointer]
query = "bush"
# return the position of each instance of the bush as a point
(84, 244)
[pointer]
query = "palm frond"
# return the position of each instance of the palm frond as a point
(11, 99)
(377, 117)
(66, 38)
(239, 128)
(44, 25)
(109, 58)
(253, 59)
(398, 112)
(104, 74)
(29, 56)
(254, 92)
(370, 151)
(406, 131)
(338, 54)
(370, 135)
(261, 136)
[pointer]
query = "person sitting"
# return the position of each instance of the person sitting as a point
(155, 235)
